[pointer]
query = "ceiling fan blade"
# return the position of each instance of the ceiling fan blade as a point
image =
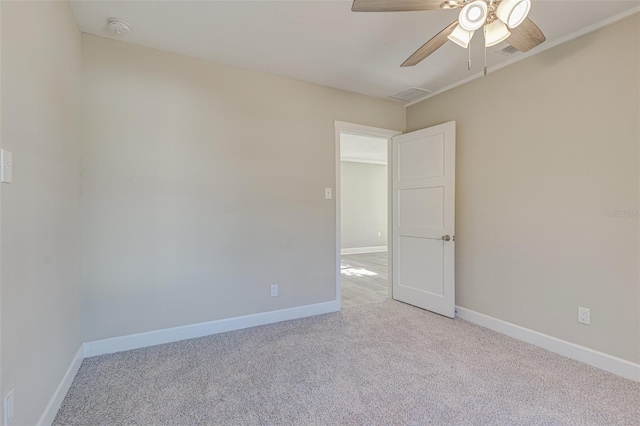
(394, 5)
(431, 46)
(526, 36)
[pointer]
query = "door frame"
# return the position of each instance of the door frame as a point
(362, 130)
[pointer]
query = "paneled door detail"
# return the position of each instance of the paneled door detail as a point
(424, 218)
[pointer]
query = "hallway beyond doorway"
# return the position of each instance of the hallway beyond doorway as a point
(364, 278)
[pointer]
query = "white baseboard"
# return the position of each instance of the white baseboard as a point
(592, 357)
(168, 335)
(55, 402)
(359, 250)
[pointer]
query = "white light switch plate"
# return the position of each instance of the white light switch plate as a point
(6, 166)
(328, 194)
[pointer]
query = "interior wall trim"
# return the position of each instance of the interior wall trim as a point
(612, 364)
(362, 160)
(359, 250)
(192, 331)
(55, 402)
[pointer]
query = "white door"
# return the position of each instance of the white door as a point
(424, 169)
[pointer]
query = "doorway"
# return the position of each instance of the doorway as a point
(363, 207)
(420, 203)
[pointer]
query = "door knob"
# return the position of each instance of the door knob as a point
(446, 238)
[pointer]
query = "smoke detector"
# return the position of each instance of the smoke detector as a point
(118, 26)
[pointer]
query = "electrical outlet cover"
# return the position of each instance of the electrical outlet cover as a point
(6, 166)
(584, 315)
(8, 407)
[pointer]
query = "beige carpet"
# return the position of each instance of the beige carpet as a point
(386, 363)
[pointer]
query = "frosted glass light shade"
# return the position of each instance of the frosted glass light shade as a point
(495, 33)
(513, 12)
(473, 15)
(460, 36)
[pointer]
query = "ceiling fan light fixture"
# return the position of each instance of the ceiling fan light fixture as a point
(460, 36)
(513, 12)
(495, 33)
(473, 15)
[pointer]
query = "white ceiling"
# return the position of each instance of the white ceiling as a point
(323, 42)
(363, 149)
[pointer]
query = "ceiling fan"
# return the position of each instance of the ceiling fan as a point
(500, 20)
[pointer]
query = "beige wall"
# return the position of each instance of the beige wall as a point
(202, 186)
(40, 267)
(544, 147)
(363, 204)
